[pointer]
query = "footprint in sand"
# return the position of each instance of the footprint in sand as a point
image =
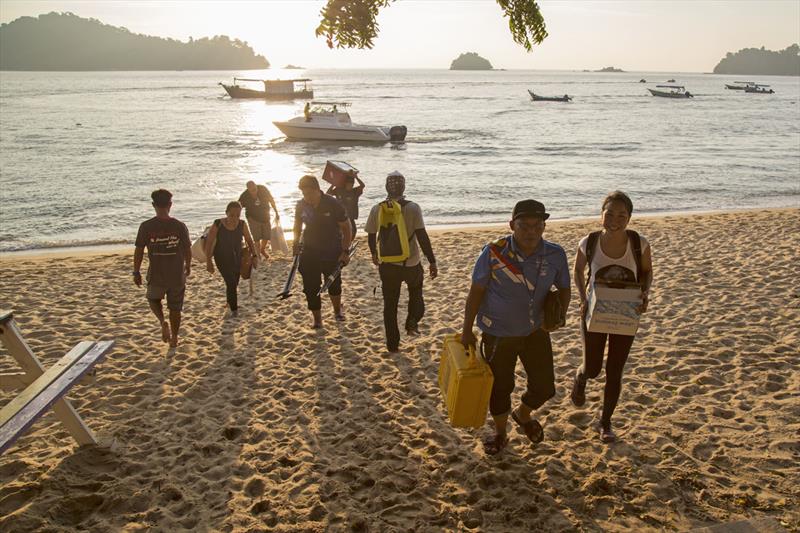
(255, 488)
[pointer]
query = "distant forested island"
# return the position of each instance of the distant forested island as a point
(610, 69)
(760, 61)
(470, 61)
(64, 41)
(293, 67)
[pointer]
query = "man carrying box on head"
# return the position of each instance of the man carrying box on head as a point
(342, 178)
(510, 284)
(394, 228)
(325, 243)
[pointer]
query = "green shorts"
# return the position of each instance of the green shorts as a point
(260, 231)
(174, 295)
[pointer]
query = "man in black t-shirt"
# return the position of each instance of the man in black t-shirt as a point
(256, 201)
(169, 252)
(325, 243)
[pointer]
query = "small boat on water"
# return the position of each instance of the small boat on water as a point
(675, 91)
(670, 81)
(758, 89)
(273, 89)
(538, 98)
(330, 121)
(739, 85)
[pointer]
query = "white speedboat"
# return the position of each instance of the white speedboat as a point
(675, 91)
(330, 121)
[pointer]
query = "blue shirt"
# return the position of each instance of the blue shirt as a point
(516, 286)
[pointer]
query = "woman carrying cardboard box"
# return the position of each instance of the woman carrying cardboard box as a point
(617, 258)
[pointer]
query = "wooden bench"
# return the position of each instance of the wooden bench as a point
(43, 388)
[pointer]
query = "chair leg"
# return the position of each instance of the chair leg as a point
(11, 338)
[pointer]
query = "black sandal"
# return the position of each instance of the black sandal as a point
(531, 428)
(495, 444)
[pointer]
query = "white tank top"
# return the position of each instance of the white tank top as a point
(608, 268)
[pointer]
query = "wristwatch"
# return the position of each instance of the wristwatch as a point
(137, 273)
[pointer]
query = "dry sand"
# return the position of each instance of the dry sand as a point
(261, 424)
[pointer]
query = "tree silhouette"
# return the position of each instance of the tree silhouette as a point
(64, 41)
(761, 61)
(353, 23)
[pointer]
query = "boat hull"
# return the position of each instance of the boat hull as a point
(307, 131)
(537, 98)
(235, 91)
(664, 94)
(735, 87)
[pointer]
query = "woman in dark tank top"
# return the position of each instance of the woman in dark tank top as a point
(224, 244)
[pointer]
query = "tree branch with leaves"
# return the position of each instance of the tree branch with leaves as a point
(354, 24)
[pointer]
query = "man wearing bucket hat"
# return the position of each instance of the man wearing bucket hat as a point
(325, 228)
(408, 269)
(510, 282)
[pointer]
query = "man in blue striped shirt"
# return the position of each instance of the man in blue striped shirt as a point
(510, 282)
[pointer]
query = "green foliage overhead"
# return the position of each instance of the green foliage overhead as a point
(353, 23)
(64, 41)
(760, 61)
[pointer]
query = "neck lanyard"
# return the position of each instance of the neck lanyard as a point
(523, 280)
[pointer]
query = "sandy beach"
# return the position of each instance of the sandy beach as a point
(260, 423)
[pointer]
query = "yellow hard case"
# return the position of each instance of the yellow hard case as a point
(466, 383)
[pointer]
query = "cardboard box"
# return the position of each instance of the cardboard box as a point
(613, 309)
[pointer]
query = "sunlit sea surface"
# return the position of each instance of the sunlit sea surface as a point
(81, 152)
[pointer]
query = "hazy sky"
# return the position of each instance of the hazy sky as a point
(668, 35)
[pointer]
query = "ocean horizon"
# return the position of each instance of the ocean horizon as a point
(80, 152)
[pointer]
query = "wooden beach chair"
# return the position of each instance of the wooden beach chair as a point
(43, 388)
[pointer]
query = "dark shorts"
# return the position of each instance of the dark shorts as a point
(174, 295)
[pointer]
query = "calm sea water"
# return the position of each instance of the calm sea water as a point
(80, 152)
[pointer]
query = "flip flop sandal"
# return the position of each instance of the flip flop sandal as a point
(531, 428)
(495, 444)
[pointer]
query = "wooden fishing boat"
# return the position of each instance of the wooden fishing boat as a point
(538, 98)
(273, 89)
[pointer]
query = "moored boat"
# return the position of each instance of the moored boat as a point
(739, 85)
(675, 91)
(273, 89)
(758, 89)
(538, 98)
(326, 121)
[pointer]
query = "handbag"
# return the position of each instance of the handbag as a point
(552, 310)
(247, 263)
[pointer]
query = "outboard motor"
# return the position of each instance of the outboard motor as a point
(689, 95)
(397, 134)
